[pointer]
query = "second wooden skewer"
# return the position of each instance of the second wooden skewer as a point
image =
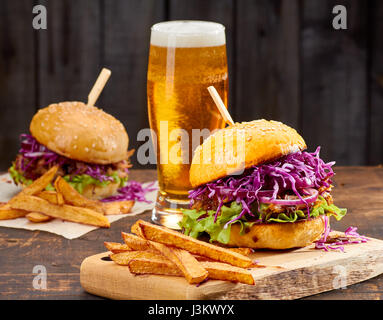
(221, 106)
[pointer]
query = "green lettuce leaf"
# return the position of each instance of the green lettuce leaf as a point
(283, 217)
(17, 177)
(331, 210)
(195, 222)
(78, 182)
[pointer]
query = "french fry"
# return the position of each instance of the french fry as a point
(38, 217)
(202, 258)
(117, 207)
(143, 262)
(173, 238)
(72, 197)
(7, 213)
(245, 251)
(39, 184)
(64, 212)
(153, 266)
(50, 196)
(227, 272)
(60, 199)
(189, 266)
(124, 258)
(216, 270)
(135, 242)
(136, 229)
(206, 259)
(117, 247)
(149, 256)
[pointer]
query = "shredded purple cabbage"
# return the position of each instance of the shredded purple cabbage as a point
(297, 172)
(132, 191)
(351, 237)
(33, 155)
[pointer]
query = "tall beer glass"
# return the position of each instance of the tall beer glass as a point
(185, 58)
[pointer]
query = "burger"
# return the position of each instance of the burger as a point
(280, 199)
(89, 146)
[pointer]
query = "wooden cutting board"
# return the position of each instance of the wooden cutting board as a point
(288, 274)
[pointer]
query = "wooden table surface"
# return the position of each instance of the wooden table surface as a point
(360, 189)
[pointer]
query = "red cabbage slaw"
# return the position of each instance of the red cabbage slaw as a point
(351, 237)
(32, 152)
(303, 173)
(132, 191)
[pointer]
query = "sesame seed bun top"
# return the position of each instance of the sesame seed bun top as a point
(222, 153)
(80, 132)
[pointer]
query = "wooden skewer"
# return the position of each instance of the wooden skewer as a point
(98, 86)
(220, 105)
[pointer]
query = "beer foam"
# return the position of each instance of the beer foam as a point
(188, 34)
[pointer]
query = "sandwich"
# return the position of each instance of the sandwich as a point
(89, 146)
(280, 199)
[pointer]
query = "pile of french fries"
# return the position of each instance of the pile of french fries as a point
(158, 250)
(39, 205)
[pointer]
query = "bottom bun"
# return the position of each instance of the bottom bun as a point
(95, 192)
(278, 235)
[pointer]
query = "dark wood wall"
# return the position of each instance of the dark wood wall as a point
(286, 62)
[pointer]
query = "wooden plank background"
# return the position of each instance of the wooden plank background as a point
(286, 62)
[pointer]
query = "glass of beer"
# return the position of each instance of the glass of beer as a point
(185, 58)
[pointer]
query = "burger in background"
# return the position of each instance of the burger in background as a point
(282, 199)
(89, 146)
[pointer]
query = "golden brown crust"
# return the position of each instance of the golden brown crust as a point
(278, 235)
(81, 132)
(263, 141)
